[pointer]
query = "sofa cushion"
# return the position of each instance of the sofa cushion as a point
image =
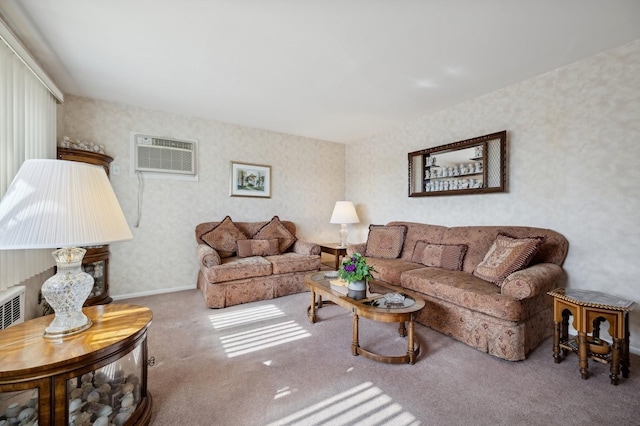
(247, 248)
(447, 256)
(505, 256)
(293, 262)
(224, 237)
(385, 241)
(275, 229)
(465, 290)
(237, 268)
(390, 270)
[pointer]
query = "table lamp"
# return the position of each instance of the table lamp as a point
(343, 213)
(63, 205)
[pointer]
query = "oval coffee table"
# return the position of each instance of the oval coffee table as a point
(371, 306)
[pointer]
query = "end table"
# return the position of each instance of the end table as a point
(589, 309)
(334, 249)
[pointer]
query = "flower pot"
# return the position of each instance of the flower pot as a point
(359, 285)
(357, 290)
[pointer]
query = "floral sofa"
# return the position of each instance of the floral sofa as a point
(243, 262)
(483, 285)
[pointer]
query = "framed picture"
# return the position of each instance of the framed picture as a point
(250, 180)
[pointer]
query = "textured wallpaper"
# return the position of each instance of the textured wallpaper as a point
(573, 166)
(307, 178)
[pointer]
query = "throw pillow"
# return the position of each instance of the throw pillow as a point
(385, 241)
(224, 237)
(247, 248)
(446, 256)
(507, 255)
(275, 229)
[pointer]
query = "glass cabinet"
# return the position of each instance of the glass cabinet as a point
(91, 378)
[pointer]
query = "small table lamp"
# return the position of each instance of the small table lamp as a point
(53, 204)
(343, 213)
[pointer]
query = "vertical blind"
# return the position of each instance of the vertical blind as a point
(27, 130)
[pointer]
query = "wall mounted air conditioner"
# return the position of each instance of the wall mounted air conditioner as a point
(12, 306)
(162, 157)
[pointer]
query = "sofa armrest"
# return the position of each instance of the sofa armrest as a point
(534, 280)
(208, 256)
(305, 247)
(356, 248)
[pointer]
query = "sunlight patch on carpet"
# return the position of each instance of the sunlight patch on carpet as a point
(263, 337)
(364, 404)
(238, 317)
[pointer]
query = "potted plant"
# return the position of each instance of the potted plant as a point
(355, 271)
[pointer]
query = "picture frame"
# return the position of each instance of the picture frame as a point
(250, 180)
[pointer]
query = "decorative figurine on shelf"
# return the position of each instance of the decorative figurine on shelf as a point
(67, 142)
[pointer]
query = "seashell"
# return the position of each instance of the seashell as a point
(101, 421)
(132, 378)
(13, 410)
(86, 377)
(100, 378)
(26, 414)
(87, 385)
(33, 401)
(104, 388)
(105, 411)
(127, 388)
(127, 400)
(75, 405)
(76, 393)
(121, 418)
(93, 396)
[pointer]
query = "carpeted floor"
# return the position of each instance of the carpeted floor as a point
(263, 363)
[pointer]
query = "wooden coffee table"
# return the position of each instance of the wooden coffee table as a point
(372, 307)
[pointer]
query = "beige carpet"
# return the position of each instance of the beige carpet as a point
(263, 363)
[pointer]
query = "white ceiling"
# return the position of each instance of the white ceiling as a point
(337, 70)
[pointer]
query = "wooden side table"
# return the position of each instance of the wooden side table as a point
(589, 309)
(334, 249)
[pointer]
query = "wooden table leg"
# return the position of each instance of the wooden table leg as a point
(355, 343)
(564, 331)
(615, 360)
(402, 330)
(312, 308)
(556, 342)
(625, 362)
(410, 352)
(583, 350)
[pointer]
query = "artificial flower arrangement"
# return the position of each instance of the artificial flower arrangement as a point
(355, 268)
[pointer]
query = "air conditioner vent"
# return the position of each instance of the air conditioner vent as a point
(159, 155)
(12, 306)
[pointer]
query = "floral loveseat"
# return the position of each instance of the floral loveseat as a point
(243, 262)
(483, 285)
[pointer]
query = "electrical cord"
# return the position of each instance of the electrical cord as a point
(140, 191)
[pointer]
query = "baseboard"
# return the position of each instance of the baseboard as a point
(152, 292)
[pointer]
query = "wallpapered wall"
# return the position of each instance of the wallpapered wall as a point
(307, 178)
(573, 166)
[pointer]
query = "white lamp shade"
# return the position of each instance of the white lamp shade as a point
(344, 212)
(57, 203)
